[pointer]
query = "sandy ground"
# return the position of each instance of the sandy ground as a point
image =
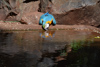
(18, 26)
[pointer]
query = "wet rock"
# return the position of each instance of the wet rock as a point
(84, 16)
(31, 18)
(63, 6)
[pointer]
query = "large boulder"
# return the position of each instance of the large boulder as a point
(89, 15)
(30, 7)
(43, 5)
(31, 18)
(62, 6)
(27, 8)
(2, 14)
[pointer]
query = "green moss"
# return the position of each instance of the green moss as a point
(79, 44)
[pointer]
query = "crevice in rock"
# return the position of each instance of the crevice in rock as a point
(12, 14)
(98, 26)
(39, 9)
(98, 1)
(50, 1)
(27, 1)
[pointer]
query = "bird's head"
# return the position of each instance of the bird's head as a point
(45, 26)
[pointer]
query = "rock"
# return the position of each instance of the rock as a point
(44, 5)
(62, 6)
(27, 8)
(31, 7)
(31, 18)
(84, 16)
(2, 14)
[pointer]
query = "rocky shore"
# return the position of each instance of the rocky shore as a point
(17, 26)
(69, 14)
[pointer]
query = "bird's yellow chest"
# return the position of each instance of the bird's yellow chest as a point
(49, 21)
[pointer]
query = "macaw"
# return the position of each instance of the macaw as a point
(46, 20)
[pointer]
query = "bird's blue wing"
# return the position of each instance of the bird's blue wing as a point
(42, 18)
(54, 21)
(41, 21)
(50, 17)
(47, 17)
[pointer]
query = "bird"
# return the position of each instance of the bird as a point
(46, 20)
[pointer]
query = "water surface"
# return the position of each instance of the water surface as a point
(62, 48)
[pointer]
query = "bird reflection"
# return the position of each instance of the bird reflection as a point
(47, 34)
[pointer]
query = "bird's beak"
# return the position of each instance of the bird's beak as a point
(45, 26)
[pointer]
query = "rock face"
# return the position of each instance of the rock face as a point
(18, 7)
(87, 15)
(27, 8)
(62, 6)
(31, 18)
(76, 12)
(43, 5)
(2, 15)
(66, 12)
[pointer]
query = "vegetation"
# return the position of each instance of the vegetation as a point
(79, 44)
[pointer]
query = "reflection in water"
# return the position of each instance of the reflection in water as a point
(49, 49)
(47, 34)
(97, 37)
(84, 57)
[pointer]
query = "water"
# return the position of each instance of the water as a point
(62, 48)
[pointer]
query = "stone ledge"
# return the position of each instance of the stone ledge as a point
(17, 26)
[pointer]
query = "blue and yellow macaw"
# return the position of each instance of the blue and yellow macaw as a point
(46, 20)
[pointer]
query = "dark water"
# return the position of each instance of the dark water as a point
(62, 48)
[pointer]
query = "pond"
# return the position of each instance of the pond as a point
(54, 48)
